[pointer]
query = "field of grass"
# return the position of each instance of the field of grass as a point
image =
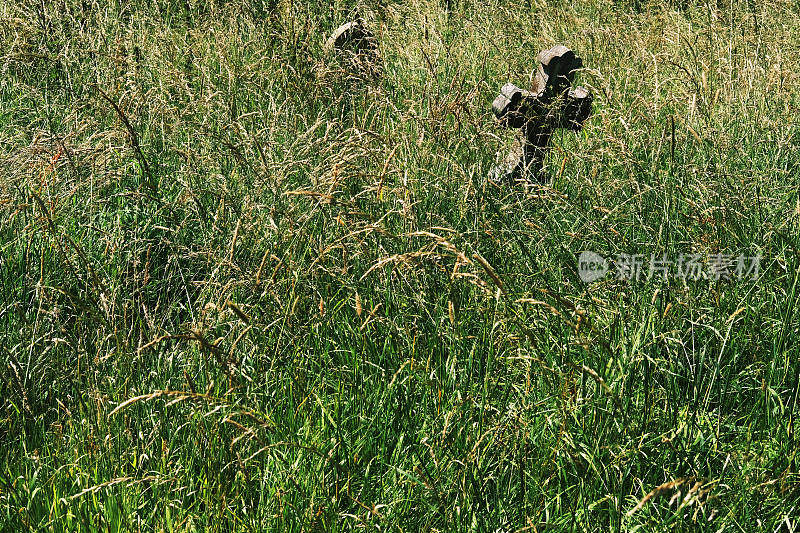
(245, 288)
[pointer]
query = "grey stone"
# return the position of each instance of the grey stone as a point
(357, 45)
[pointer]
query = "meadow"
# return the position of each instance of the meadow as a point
(244, 287)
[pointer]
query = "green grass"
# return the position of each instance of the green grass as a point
(243, 289)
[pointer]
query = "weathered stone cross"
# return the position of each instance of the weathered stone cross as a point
(551, 104)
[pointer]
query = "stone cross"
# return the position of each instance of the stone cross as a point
(552, 103)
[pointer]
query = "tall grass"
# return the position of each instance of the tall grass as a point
(243, 287)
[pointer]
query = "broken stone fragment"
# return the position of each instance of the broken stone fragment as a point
(357, 45)
(353, 34)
